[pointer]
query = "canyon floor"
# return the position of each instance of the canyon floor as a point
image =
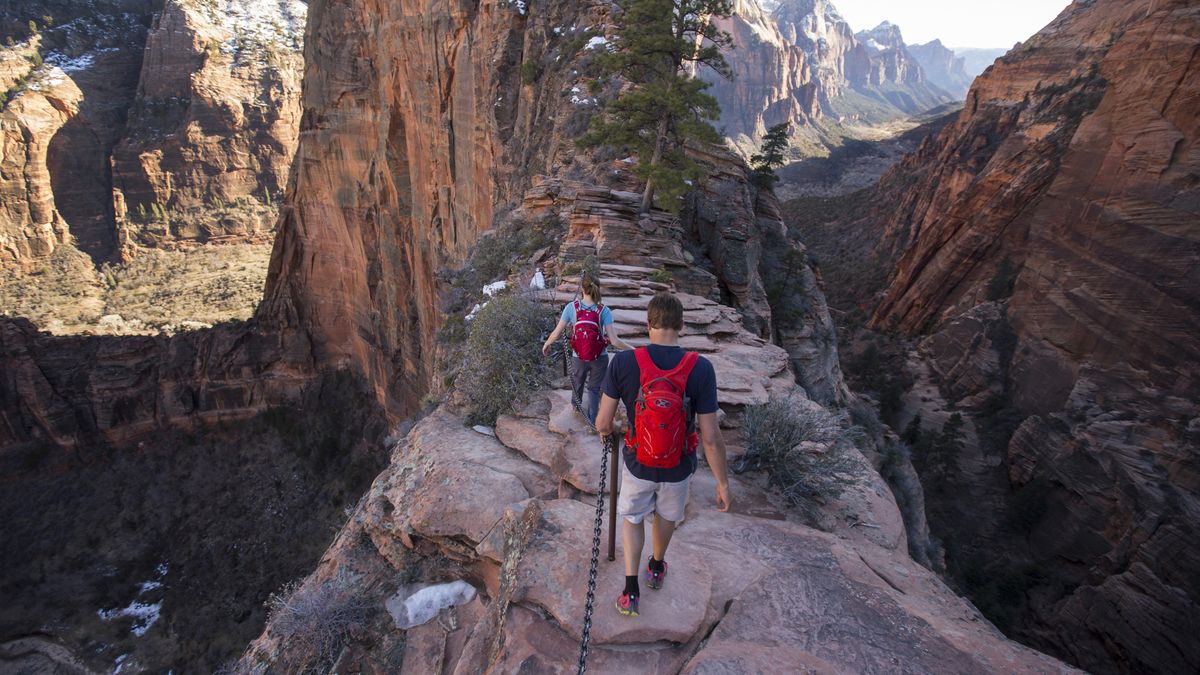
(157, 291)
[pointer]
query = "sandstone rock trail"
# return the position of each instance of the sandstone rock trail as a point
(751, 590)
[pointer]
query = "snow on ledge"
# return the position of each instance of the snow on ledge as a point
(425, 603)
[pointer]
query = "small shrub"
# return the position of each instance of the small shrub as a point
(661, 276)
(895, 456)
(530, 72)
(429, 402)
(453, 331)
(503, 363)
(318, 621)
(773, 434)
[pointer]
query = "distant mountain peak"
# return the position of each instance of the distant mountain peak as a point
(884, 36)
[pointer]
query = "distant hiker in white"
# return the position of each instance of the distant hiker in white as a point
(591, 333)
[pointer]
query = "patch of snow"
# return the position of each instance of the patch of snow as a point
(264, 21)
(579, 100)
(474, 311)
(160, 571)
(495, 287)
(144, 614)
(81, 62)
(597, 42)
(119, 663)
(486, 431)
(423, 605)
(538, 281)
(558, 30)
(521, 7)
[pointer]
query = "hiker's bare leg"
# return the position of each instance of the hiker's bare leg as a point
(634, 537)
(660, 537)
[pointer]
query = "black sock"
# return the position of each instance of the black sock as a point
(631, 586)
(655, 565)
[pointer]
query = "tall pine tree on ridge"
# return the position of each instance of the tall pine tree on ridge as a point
(661, 108)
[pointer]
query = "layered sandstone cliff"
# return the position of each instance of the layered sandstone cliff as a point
(212, 130)
(40, 101)
(1047, 244)
(176, 122)
(89, 56)
(803, 64)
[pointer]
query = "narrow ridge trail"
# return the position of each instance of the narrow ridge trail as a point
(752, 590)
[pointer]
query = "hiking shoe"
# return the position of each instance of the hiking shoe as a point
(627, 604)
(655, 579)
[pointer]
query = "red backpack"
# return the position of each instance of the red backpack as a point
(588, 340)
(661, 430)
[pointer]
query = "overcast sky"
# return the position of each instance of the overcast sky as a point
(957, 23)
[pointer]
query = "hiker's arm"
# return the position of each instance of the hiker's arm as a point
(605, 415)
(714, 452)
(553, 336)
(616, 341)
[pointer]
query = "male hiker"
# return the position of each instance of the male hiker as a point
(591, 332)
(667, 392)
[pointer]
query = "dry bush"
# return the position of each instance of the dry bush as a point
(774, 434)
(503, 363)
(315, 622)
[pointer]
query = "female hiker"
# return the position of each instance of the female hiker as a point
(591, 332)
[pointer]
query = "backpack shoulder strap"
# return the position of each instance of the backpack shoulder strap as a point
(645, 363)
(680, 373)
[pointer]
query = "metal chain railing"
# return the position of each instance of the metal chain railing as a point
(592, 570)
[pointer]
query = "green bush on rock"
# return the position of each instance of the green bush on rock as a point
(503, 364)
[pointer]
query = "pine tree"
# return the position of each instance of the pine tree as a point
(946, 449)
(912, 432)
(663, 108)
(763, 163)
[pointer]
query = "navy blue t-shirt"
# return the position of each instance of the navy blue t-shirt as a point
(622, 382)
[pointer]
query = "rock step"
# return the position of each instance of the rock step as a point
(564, 443)
(610, 284)
(553, 570)
(627, 269)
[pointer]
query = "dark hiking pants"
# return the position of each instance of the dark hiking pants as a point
(590, 373)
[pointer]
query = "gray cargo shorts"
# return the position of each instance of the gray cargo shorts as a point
(639, 498)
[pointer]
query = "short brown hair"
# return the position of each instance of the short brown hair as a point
(591, 287)
(665, 311)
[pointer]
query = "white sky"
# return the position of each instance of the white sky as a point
(957, 23)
